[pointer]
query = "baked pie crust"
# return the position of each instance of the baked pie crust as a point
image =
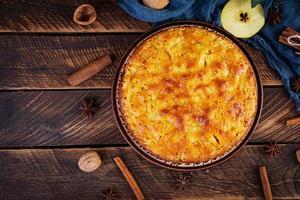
(188, 94)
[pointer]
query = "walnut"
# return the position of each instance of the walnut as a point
(89, 162)
(85, 15)
(156, 4)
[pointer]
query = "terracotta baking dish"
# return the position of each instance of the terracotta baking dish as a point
(144, 152)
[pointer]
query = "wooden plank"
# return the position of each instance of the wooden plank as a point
(53, 174)
(57, 16)
(44, 62)
(277, 109)
(53, 118)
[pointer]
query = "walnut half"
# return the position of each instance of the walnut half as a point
(85, 15)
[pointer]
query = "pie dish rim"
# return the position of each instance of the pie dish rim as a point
(133, 142)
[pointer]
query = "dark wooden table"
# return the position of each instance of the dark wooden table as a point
(42, 132)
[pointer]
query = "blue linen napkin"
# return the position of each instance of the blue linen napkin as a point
(279, 56)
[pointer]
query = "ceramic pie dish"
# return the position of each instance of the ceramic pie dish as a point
(186, 95)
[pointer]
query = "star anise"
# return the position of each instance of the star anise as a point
(88, 108)
(296, 84)
(272, 149)
(274, 15)
(108, 195)
(182, 182)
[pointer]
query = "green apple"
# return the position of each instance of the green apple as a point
(241, 20)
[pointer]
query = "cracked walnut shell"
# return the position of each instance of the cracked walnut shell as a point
(85, 15)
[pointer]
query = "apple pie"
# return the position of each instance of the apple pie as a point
(188, 94)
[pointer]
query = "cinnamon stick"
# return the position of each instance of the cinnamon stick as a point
(130, 179)
(298, 155)
(293, 121)
(283, 37)
(265, 183)
(89, 70)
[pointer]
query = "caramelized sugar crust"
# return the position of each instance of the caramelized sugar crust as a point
(188, 94)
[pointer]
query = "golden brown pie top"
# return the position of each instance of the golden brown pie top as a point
(188, 94)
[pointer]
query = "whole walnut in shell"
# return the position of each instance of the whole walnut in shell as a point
(156, 4)
(89, 162)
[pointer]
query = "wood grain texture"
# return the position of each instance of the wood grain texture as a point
(44, 62)
(277, 109)
(57, 16)
(54, 174)
(53, 118)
